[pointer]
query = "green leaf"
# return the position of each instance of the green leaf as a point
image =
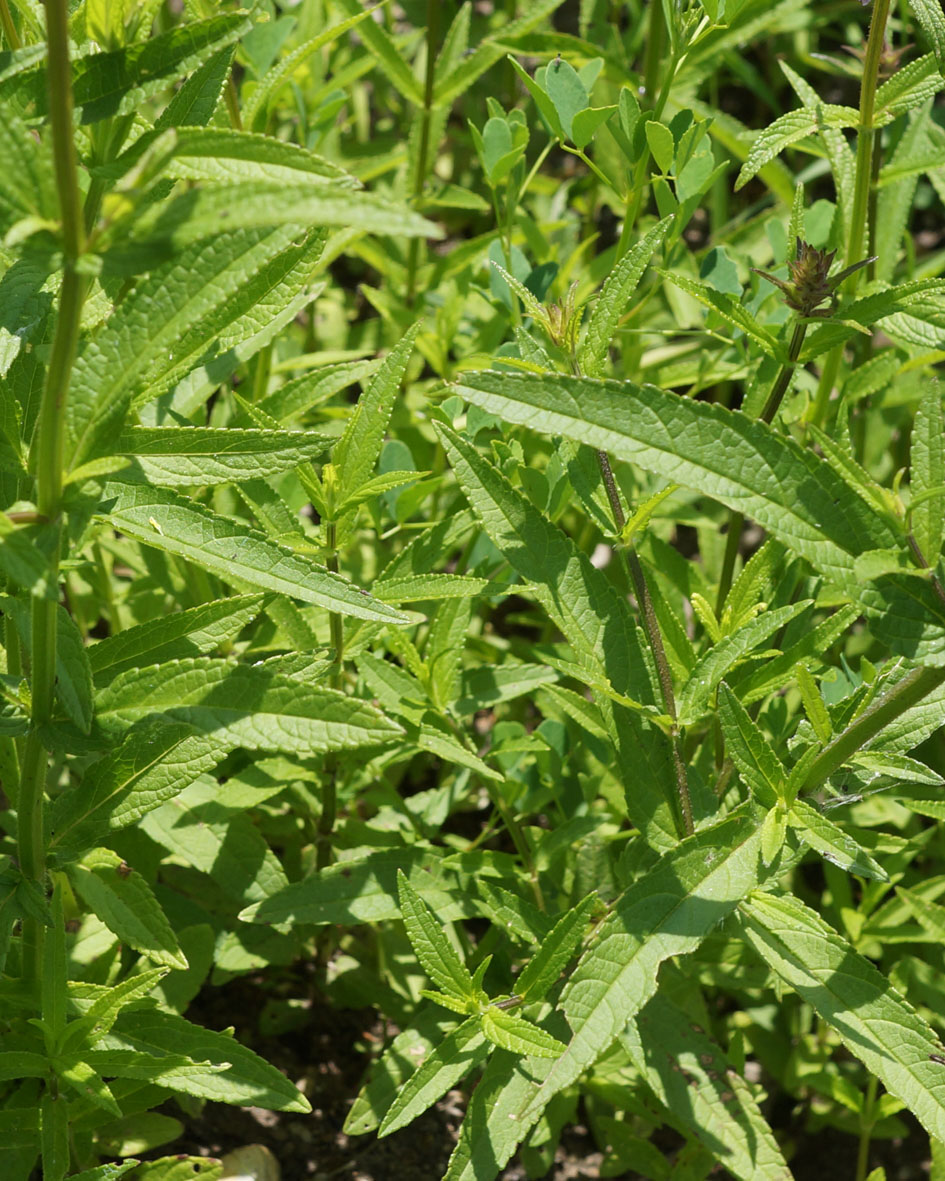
(194, 103)
(363, 889)
(723, 656)
(749, 750)
(457, 1054)
(234, 552)
(788, 129)
(256, 108)
(386, 54)
(23, 550)
(543, 101)
(356, 452)
(197, 631)
(104, 1011)
(661, 144)
(690, 1076)
(493, 1126)
(73, 671)
(115, 83)
(561, 83)
(873, 1021)
(614, 296)
(928, 473)
(729, 308)
(15, 1064)
(511, 1032)
(195, 317)
(832, 843)
(432, 948)
(179, 1168)
(247, 1080)
(123, 900)
(666, 912)
(421, 588)
(555, 952)
(178, 456)
(252, 205)
(796, 497)
(929, 17)
(108, 1172)
(256, 706)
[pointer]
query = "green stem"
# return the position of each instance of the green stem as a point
(655, 639)
(9, 28)
(915, 685)
(867, 1123)
(859, 218)
(420, 176)
(329, 814)
(860, 229)
(48, 456)
(773, 403)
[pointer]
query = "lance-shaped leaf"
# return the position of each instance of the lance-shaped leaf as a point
(194, 313)
(456, 1055)
(749, 750)
(721, 657)
(124, 902)
(114, 83)
(200, 456)
(667, 912)
(874, 1022)
(511, 1032)
(201, 212)
(200, 830)
(832, 843)
(356, 452)
(246, 705)
(612, 301)
(927, 483)
(798, 498)
(788, 129)
(231, 550)
(364, 889)
(432, 948)
(194, 632)
(245, 1078)
(555, 951)
(687, 1071)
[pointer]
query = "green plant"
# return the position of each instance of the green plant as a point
(573, 694)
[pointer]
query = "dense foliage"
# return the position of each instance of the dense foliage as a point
(473, 484)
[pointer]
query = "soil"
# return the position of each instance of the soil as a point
(326, 1059)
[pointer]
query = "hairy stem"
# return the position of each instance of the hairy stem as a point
(915, 685)
(655, 639)
(47, 461)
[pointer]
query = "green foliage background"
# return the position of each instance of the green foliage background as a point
(473, 484)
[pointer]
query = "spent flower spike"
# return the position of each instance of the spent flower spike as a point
(809, 284)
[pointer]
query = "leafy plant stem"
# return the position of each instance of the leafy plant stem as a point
(867, 1122)
(859, 219)
(433, 30)
(915, 685)
(48, 444)
(736, 520)
(9, 28)
(581, 155)
(651, 627)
